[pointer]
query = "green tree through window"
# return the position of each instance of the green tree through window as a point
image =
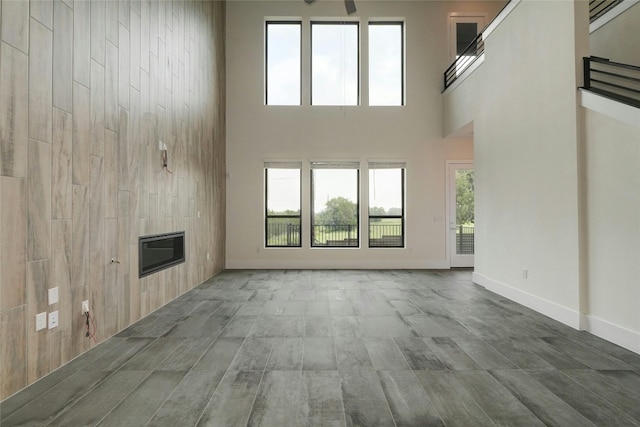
(464, 197)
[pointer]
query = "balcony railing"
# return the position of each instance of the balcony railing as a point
(335, 235)
(464, 60)
(597, 8)
(283, 231)
(386, 235)
(465, 240)
(613, 80)
(287, 234)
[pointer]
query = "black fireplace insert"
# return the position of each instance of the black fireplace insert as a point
(159, 252)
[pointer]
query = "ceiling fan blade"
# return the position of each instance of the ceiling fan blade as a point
(350, 5)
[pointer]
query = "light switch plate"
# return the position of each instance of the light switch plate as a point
(53, 319)
(53, 296)
(41, 321)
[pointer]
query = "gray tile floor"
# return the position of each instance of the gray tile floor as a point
(335, 348)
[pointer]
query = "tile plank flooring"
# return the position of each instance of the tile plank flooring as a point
(340, 348)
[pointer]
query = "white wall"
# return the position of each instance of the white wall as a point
(613, 206)
(256, 133)
(525, 120)
(619, 39)
(556, 184)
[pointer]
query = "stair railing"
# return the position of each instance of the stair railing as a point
(612, 79)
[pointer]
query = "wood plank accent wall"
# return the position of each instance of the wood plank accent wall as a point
(87, 91)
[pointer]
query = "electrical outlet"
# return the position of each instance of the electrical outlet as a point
(53, 319)
(525, 273)
(85, 306)
(53, 296)
(208, 256)
(41, 321)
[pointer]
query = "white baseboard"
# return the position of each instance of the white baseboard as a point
(614, 333)
(548, 308)
(319, 264)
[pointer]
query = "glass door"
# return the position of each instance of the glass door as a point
(461, 214)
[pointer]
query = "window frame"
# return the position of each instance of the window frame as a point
(313, 22)
(402, 216)
(334, 165)
(266, 204)
(402, 25)
(266, 59)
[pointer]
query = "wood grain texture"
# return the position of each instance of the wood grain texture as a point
(111, 87)
(62, 56)
(61, 271)
(40, 81)
(13, 329)
(97, 109)
(42, 10)
(98, 30)
(110, 323)
(38, 283)
(61, 180)
(82, 42)
(96, 286)
(81, 135)
(96, 204)
(14, 111)
(13, 233)
(80, 172)
(15, 24)
(111, 174)
(135, 37)
(79, 264)
(124, 70)
(39, 201)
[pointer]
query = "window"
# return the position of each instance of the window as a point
(283, 63)
(386, 204)
(282, 202)
(335, 204)
(334, 63)
(386, 63)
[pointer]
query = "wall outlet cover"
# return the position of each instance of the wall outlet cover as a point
(41, 321)
(85, 306)
(53, 296)
(53, 319)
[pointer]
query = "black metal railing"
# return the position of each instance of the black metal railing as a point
(386, 236)
(612, 79)
(334, 235)
(597, 8)
(464, 60)
(283, 232)
(465, 240)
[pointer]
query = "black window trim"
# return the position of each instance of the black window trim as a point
(401, 23)
(312, 225)
(332, 22)
(267, 216)
(266, 59)
(401, 217)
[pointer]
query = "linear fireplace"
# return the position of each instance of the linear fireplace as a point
(158, 252)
